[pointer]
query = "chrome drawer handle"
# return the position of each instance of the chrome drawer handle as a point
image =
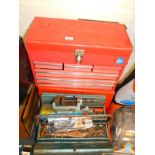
(79, 53)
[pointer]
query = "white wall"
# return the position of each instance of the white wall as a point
(108, 10)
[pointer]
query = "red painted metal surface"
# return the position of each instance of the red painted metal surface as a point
(52, 44)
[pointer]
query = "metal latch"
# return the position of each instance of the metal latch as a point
(79, 53)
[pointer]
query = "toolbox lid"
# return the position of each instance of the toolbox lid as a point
(78, 32)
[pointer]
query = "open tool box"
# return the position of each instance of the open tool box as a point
(74, 123)
(76, 66)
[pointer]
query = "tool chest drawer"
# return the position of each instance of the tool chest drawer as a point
(75, 76)
(72, 123)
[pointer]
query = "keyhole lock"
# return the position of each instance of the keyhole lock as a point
(79, 53)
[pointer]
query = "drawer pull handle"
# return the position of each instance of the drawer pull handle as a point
(79, 55)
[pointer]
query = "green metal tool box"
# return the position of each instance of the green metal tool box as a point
(72, 124)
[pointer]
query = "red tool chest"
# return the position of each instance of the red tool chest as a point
(77, 56)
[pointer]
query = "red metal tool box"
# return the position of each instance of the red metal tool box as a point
(78, 57)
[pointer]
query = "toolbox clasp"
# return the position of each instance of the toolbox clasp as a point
(79, 53)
